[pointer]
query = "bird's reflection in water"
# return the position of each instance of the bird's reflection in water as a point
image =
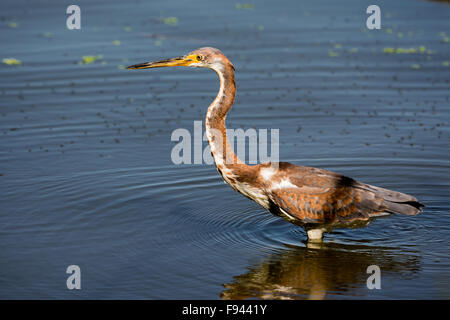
(320, 270)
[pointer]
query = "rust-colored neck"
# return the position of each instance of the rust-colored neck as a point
(216, 130)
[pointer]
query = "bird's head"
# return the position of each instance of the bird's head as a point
(204, 58)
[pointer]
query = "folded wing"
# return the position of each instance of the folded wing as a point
(320, 196)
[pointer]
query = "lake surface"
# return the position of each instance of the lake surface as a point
(86, 176)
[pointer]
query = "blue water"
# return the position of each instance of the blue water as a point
(86, 176)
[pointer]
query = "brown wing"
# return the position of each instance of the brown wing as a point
(321, 196)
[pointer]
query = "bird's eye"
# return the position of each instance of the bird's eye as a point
(199, 58)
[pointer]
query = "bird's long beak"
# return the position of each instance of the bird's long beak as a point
(174, 62)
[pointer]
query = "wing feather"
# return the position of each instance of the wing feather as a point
(321, 196)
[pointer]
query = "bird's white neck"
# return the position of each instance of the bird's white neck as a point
(236, 173)
(221, 149)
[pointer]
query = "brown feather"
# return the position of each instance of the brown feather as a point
(322, 197)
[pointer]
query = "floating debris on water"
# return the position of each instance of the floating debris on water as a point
(127, 28)
(241, 6)
(13, 25)
(12, 62)
(90, 59)
(332, 54)
(173, 21)
(415, 66)
(116, 42)
(421, 49)
(444, 37)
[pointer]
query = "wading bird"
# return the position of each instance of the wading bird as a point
(316, 199)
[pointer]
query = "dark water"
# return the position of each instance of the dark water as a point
(86, 176)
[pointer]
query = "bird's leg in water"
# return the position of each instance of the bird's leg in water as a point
(315, 235)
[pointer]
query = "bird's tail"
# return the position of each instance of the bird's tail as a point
(395, 202)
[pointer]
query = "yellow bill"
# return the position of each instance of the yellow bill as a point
(174, 62)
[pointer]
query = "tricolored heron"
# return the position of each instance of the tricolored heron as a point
(317, 199)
